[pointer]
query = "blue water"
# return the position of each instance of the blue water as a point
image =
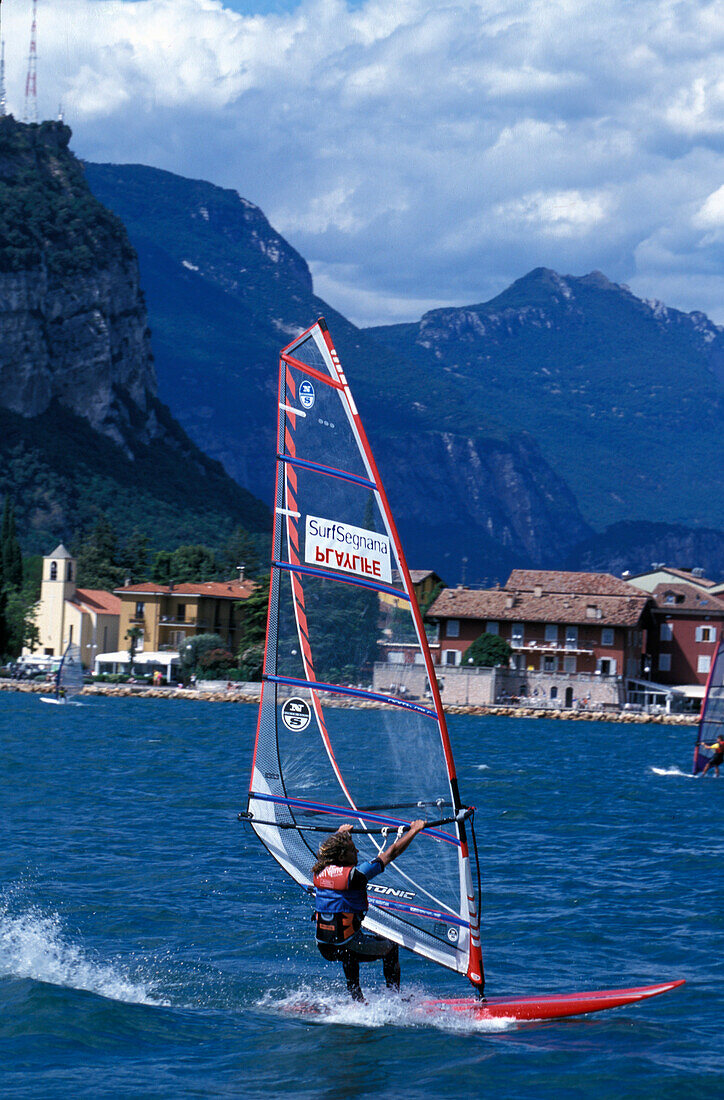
(149, 947)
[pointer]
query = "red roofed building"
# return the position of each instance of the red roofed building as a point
(65, 614)
(558, 624)
(554, 622)
(168, 614)
(687, 624)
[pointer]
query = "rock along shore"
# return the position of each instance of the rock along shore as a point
(234, 695)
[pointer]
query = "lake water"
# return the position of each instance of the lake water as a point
(149, 947)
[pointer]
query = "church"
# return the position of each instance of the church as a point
(65, 614)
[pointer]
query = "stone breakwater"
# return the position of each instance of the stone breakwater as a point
(234, 695)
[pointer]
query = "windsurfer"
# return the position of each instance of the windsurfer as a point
(341, 894)
(718, 758)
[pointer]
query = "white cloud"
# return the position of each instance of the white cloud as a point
(418, 152)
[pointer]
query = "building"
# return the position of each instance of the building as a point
(164, 616)
(687, 624)
(66, 614)
(570, 633)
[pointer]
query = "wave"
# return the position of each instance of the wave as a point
(33, 944)
(412, 1008)
(672, 771)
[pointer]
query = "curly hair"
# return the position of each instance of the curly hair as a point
(338, 850)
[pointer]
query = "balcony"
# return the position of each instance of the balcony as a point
(565, 649)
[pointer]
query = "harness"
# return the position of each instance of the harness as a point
(335, 928)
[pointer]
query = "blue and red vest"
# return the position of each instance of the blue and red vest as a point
(340, 910)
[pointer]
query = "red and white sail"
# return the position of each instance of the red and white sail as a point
(351, 727)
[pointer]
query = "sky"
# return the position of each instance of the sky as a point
(417, 154)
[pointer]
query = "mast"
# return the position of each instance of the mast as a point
(31, 87)
(3, 102)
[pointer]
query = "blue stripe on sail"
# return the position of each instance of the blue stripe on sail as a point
(330, 471)
(338, 690)
(346, 578)
(341, 811)
(431, 914)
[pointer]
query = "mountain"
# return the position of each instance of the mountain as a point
(624, 397)
(225, 292)
(82, 429)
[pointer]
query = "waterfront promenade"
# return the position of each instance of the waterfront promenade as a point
(249, 693)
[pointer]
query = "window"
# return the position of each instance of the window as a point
(554, 693)
(666, 633)
(53, 570)
(551, 632)
(395, 657)
(664, 662)
(703, 664)
(571, 637)
(419, 659)
(669, 597)
(569, 664)
(549, 662)
(139, 610)
(70, 635)
(453, 628)
(607, 635)
(181, 612)
(452, 656)
(491, 628)
(705, 634)
(69, 571)
(607, 666)
(516, 634)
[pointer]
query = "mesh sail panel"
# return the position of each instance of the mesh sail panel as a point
(333, 747)
(712, 717)
(70, 673)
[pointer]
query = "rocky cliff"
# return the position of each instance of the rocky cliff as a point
(72, 317)
(82, 426)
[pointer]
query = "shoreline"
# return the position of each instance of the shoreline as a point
(240, 696)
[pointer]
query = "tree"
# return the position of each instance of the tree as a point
(252, 616)
(192, 650)
(193, 563)
(487, 651)
(20, 618)
(97, 558)
(240, 550)
(12, 558)
(161, 568)
(133, 634)
(132, 557)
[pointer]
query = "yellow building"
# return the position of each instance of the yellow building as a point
(66, 614)
(165, 616)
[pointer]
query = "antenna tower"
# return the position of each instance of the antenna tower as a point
(3, 104)
(31, 88)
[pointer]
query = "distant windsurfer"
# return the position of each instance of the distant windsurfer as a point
(717, 748)
(341, 901)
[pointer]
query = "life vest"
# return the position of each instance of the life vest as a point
(347, 907)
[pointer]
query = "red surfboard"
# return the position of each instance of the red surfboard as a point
(548, 1006)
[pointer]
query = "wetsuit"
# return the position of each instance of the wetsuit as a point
(341, 904)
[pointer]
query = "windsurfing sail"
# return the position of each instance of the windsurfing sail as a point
(351, 726)
(711, 721)
(69, 677)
